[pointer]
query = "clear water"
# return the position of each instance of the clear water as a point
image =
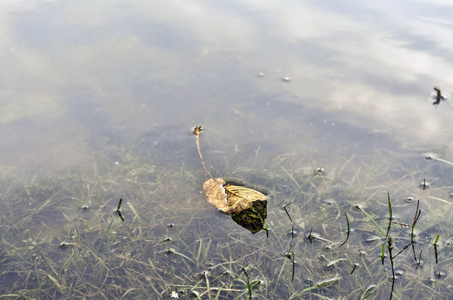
(98, 100)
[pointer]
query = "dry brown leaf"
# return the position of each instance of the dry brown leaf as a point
(230, 198)
(215, 192)
(241, 198)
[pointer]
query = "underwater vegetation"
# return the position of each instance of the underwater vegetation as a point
(137, 228)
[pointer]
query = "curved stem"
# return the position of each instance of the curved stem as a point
(197, 134)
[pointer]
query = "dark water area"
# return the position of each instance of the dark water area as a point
(328, 107)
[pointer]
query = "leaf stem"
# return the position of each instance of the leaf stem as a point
(197, 131)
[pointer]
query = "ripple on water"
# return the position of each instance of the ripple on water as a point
(424, 185)
(443, 96)
(293, 232)
(440, 274)
(449, 242)
(311, 235)
(328, 202)
(409, 199)
(430, 156)
(320, 171)
(358, 206)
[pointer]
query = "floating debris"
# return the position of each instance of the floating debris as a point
(226, 197)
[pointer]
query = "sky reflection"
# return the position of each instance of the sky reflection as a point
(106, 64)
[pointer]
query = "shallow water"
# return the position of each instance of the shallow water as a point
(98, 101)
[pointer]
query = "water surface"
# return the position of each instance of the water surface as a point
(98, 101)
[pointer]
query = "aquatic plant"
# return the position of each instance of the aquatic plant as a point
(61, 240)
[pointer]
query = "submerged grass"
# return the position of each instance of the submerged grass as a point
(61, 237)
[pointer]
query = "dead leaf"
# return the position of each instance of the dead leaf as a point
(215, 193)
(230, 198)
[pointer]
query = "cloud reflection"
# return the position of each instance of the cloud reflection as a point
(373, 66)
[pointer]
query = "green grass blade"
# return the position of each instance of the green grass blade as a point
(437, 239)
(390, 215)
(135, 212)
(291, 177)
(374, 222)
